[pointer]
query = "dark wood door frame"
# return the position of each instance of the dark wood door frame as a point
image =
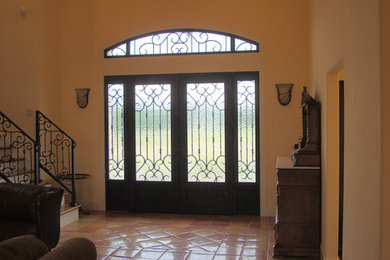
(341, 166)
(244, 197)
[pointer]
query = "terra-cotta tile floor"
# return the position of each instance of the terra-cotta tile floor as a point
(122, 235)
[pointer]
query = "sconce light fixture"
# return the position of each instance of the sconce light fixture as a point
(82, 97)
(284, 93)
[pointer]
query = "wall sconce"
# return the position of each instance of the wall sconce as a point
(82, 97)
(284, 93)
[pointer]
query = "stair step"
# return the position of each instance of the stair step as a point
(66, 198)
(47, 183)
(16, 175)
(69, 214)
(66, 208)
(21, 173)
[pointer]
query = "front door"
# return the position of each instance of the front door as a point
(182, 143)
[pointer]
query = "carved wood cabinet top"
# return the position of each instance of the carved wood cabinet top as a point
(287, 163)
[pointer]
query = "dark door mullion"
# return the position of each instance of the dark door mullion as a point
(177, 137)
(257, 123)
(182, 136)
(231, 138)
(129, 102)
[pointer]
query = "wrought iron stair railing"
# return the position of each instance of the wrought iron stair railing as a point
(56, 154)
(18, 154)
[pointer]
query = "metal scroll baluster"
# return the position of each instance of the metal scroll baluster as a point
(56, 154)
(18, 153)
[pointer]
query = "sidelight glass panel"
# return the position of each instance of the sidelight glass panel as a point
(115, 132)
(246, 131)
(206, 132)
(153, 132)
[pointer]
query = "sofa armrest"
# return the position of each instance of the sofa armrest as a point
(33, 204)
(49, 207)
(22, 248)
(76, 249)
(19, 201)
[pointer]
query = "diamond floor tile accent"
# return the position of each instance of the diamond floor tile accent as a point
(122, 235)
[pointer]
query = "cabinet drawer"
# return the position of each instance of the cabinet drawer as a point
(299, 177)
(299, 204)
(297, 236)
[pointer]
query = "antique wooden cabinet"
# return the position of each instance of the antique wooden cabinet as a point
(298, 215)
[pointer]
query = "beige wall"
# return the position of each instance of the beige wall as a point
(281, 28)
(385, 128)
(29, 60)
(345, 34)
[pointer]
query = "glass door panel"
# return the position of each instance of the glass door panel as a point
(246, 125)
(206, 132)
(153, 132)
(115, 135)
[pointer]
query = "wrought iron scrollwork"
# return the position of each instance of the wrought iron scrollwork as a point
(153, 132)
(18, 153)
(56, 153)
(184, 41)
(180, 43)
(244, 46)
(206, 132)
(116, 170)
(246, 131)
(117, 51)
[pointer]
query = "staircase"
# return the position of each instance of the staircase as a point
(18, 154)
(22, 159)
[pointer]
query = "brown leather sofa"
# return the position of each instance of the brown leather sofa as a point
(30, 210)
(29, 247)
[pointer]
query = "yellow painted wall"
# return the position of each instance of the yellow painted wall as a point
(345, 34)
(385, 129)
(29, 60)
(281, 28)
(330, 169)
(51, 55)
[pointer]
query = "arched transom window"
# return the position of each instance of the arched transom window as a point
(179, 42)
